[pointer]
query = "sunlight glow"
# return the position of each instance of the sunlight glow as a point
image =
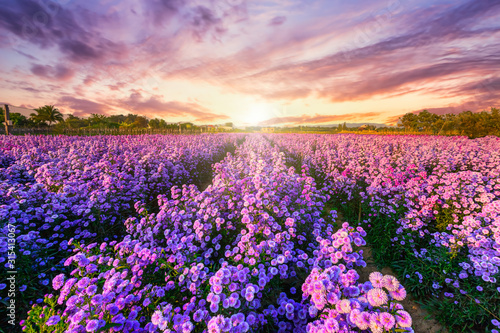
(258, 112)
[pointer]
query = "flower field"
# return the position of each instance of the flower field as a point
(248, 233)
(431, 210)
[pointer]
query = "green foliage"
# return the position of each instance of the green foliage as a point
(444, 218)
(472, 124)
(47, 114)
(39, 315)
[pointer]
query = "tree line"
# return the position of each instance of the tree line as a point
(471, 124)
(50, 116)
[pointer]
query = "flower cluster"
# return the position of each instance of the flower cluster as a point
(56, 188)
(341, 303)
(429, 204)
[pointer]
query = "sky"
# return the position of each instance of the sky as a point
(256, 62)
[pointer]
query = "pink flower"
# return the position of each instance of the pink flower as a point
(376, 279)
(399, 294)
(403, 318)
(387, 320)
(377, 297)
(390, 283)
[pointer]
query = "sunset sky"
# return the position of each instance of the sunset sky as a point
(285, 62)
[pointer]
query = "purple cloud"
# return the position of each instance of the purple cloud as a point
(155, 107)
(277, 20)
(58, 72)
(82, 107)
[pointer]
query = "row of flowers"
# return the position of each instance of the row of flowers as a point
(56, 188)
(254, 251)
(431, 208)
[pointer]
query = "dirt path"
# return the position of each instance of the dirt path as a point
(418, 315)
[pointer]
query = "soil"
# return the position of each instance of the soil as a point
(422, 320)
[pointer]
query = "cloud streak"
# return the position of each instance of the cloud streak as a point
(155, 107)
(58, 72)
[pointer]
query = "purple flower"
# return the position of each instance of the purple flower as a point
(92, 325)
(364, 320)
(387, 320)
(403, 318)
(399, 294)
(155, 318)
(376, 325)
(53, 320)
(113, 309)
(58, 281)
(331, 325)
(83, 282)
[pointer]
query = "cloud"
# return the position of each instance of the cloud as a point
(83, 107)
(389, 65)
(78, 50)
(204, 20)
(29, 56)
(319, 119)
(31, 89)
(163, 10)
(48, 24)
(277, 20)
(470, 105)
(154, 107)
(59, 72)
(487, 87)
(376, 84)
(393, 120)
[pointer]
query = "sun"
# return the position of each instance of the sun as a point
(257, 113)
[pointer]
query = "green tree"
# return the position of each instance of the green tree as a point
(474, 125)
(97, 120)
(447, 123)
(19, 120)
(75, 122)
(117, 118)
(495, 121)
(47, 114)
(427, 121)
(154, 123)
(130, 118)
(140, 122)
(409, 121)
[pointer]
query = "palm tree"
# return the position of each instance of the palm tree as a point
(47, 113)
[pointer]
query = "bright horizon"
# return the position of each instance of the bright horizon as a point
(282, 63)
